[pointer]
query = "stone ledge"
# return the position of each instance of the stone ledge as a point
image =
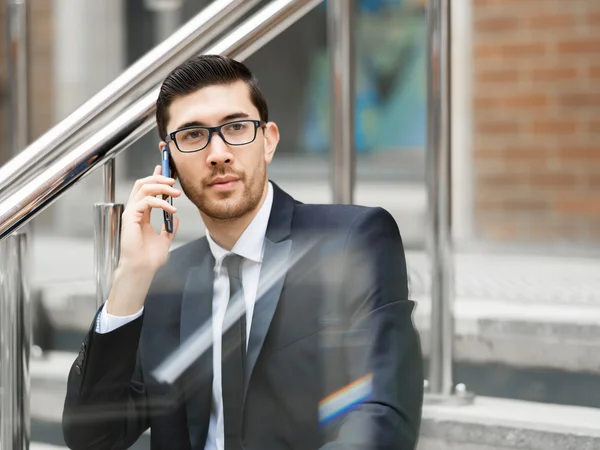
(555, 336)
(500, 424)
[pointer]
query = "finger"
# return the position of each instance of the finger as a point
(167, 235)
(157, 170)
(154, 179)
(154, 190)
(149, 203)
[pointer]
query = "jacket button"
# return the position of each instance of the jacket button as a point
(78, 369)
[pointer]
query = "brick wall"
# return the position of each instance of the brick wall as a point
(40, 72)
(537, 120)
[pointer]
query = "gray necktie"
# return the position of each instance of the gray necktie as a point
(233, 357)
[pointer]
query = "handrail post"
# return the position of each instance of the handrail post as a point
(340, 21)
(440, 385)
(15, 309)
(107, 235)
(15, 344)
(166, 17)
(109, 181)
(18, 129)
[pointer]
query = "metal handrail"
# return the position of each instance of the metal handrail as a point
(135, 81)
(35, 194)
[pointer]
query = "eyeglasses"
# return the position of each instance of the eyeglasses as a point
(194, 139)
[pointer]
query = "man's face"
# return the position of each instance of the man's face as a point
(225, 182)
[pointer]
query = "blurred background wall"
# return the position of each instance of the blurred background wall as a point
(41, 37)
(536, 108)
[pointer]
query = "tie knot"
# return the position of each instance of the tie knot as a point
(233, 263)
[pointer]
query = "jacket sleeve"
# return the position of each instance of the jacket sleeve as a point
(380, 343)
(105, 405)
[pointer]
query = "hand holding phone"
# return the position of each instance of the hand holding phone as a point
(166, 171)
(143, 249)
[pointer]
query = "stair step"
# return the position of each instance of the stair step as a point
(493, 424)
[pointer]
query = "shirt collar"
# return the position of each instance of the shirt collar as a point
(250, 243)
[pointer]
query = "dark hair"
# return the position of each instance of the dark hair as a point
(202, 71)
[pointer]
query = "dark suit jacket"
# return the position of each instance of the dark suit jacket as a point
(340, 312)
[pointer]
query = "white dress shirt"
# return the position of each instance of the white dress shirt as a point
(250, 245)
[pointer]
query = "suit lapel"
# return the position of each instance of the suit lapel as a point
(272, 276)
(196, 312)
(278, 246)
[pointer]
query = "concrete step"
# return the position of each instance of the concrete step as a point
(487, 424)
(500, 424)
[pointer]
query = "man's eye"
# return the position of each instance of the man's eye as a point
(193, 134)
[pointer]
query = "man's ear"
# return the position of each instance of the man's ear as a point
(271, 132)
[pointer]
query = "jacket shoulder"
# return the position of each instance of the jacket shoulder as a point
(341, 216)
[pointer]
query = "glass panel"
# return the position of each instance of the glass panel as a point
(391, 46)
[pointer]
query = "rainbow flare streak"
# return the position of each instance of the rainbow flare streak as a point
(344, 399)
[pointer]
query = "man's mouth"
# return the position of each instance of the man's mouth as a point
(224, 182)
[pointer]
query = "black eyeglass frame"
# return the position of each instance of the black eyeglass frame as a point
(211, 130)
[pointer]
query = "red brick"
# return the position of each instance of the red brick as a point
(523, 155)
(488, 154)
(594, 72)
(594, 126)
(512, 50)
(527, 205)
(510, 203)
(500, 180)
(552, 20)
(555, 126)
(517, 101)
(483, 102)
(581, 100)
(487, 51)
(503, 3)
(594, 180)
(594, 18)
(589, 154)
(496, 23)
(578, 204)
(560, 73)
(524, 49)
(508, 76)
(526, 101)
(589, 46)
(497, 127)
(556, 180)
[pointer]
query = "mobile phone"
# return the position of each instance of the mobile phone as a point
(166, 171)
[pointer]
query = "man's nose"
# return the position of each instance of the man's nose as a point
(218, 151)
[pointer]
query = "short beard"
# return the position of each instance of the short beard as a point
(228, 209)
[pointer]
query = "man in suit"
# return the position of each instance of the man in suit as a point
(287, 327)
